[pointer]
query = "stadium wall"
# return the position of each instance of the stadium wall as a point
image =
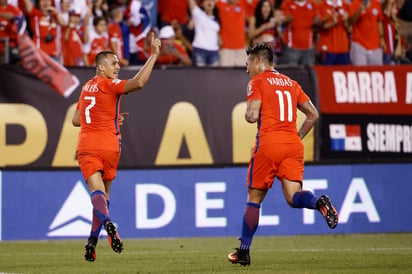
(186, 146)
(202, 202)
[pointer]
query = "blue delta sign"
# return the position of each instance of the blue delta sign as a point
(201, 202)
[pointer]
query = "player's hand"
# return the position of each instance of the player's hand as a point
(122, 116)
(155, 43)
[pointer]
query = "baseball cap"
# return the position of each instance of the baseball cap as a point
(75, 11)
(166, 32)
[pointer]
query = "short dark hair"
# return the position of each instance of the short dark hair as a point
(262, 51)
(97, 19)
(102, 55)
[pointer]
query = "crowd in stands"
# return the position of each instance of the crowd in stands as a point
(213, 32)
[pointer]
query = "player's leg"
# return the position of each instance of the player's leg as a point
(95, 184)
(249, 226)
(110, 170)
(291, 172)
(90, 166)
(112, 233)
(261, 171)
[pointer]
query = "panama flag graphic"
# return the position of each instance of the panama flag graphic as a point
(345, 137)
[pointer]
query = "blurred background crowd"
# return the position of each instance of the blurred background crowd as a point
(211, 32)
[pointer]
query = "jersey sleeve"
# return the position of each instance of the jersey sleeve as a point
(302, 96)
(116, 85)
(254, 90)
(354, 6)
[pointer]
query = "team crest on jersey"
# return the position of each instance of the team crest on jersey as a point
(116, 81)
(249, 90)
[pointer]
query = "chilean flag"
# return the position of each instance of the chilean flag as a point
(345, 137)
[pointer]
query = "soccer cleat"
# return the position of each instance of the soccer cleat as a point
(90, 249)
(325, 207)
(239, 257)
(114, 238)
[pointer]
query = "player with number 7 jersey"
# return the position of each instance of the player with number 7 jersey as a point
(99, 105)
(98, 146)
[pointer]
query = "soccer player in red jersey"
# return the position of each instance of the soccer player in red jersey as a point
(98, 147)
(272, 103)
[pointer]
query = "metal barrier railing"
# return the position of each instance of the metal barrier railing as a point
(5, 58)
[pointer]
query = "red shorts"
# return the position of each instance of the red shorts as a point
(275, 160)
(98, 160)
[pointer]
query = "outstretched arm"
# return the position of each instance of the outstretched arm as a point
(140, 79)
(192, 4)
(312, 116)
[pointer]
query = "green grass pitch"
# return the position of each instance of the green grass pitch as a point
(359, 253)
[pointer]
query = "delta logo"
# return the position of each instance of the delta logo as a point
(345, 137)
(74, 218)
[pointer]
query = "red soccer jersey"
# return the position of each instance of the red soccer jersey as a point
(97, 43)
(170, 10)
(43, 25)
(389, 34)
(7, 28)
(250, 6)
(334, 39)
(98, 105)
(232, 25)
(72, 49)
(365, 30)
(168, 59)
(116, 37)
(279, 96)
(299, 33)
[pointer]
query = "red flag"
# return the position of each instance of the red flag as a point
(45, 68)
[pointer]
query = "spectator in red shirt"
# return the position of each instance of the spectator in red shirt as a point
(170, 10)
(299, 19)
(115, 33)
(405, 20)
(250, 7)
(368, 41)
(233, 33)
(72, 40)
(44, 21)
(9, 17)
(139, 22)
(333, 43)
(265, 27)
(98, 41)
(391, 32)
(262, 23)
(171, 52)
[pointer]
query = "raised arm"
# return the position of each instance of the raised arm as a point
(28, 5)
(192, 4)
(312, 116)
(140, 79)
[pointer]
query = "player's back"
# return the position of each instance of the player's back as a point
(99, 104)
(279, 96)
